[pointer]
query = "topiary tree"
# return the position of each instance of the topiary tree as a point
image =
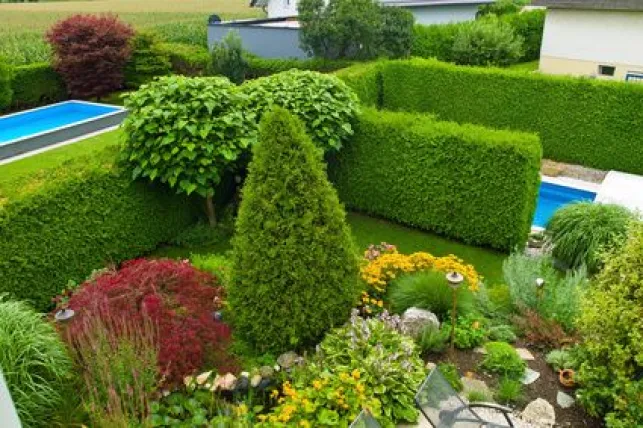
(6, 75)
(295, 269)
(186, 132)
(611, 325)
(146, 62)
(487, 42)
(228, 59)
(90, 53)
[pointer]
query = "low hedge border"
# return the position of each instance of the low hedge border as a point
(36, 84)
(59, 225)
(466, 182)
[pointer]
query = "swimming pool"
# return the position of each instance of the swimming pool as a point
(33, 129)
(553, 196)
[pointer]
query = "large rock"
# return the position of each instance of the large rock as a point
(414, 320)
(564, 400)
(288, 360)
(539, 412)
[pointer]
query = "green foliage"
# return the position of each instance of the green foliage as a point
(146, 61)
(185, 59)
(581, 121)
(502, 359)
(34, 362)
(528, 25)
(389, 362)
(260, 67)
(202, 235)
(611, 325)
(487, 42)
(581, 232)
(219, 265)
(451, 374)
(560, 297)
(509, 391)
(433, 340)
(502, 333)
(228, 59)
(477, 397)
(194, 32)
(36, 84)
(435, 41)
(365, 80)
(293, 253)
(470, 331)
(460, 181)
(24, 48)
(397, 32)
(502, 7)
(324, 103)
(428, 290)
(6, 76)
(561, 359)
(186, 132)
(83, 214)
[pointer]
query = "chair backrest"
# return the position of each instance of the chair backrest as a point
(365, 420)
(441, 405)
(8, 414)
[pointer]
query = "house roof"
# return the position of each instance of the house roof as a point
(636, 5)
(407, 3)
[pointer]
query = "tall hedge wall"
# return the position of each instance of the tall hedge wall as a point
(62, 224)
(462, 181)
(582, 121)
(35, 85)
(366, 81)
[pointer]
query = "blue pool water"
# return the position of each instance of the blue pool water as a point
(32, 122)
(553, 196)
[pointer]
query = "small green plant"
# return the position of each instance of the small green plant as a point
(502, 359)
(560, 359)
(428, 290)
(433, 340)
(220, 265)
(502, 333)
(485, 42)
(227, 58)
(451, 374)
(509, 391)
(581, 232)
(477, 396)
(470, 331)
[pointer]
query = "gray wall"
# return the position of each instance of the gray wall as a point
(267, 42)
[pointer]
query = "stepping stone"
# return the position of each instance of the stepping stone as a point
(480, 350)
(565, 401)
(525, 354)
(540, 412)
(530, 376)
(470, 385)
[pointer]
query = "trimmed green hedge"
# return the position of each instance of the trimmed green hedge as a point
(581, 121)
(5, 85)
(61, 224)
(366, 81)
(35, 85)
(189, 60)
(462, 181)
(260, 67)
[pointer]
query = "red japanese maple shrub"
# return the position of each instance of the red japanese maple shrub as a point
(176, 296)
(90, 53)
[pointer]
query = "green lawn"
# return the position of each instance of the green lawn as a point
(525, 66)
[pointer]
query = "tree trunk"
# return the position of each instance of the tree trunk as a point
(209, 205)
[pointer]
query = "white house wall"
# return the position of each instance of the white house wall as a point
(578, 41)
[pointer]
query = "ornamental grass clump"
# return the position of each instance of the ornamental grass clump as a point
(294, 269)
(34, 362)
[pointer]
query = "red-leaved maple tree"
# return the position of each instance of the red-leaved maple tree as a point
(90, 52)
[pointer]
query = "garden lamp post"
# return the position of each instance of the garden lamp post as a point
(540, 287)
(455, 280)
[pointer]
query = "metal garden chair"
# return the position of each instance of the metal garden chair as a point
(443, 408)
(365, 420)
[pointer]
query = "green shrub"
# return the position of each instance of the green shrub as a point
(478, 397)
(581, 121)
(428, 290)
(146, 61)
(529, 25)
(217, 264)
(470, 331)
(60, 224)
(186, 59)
(502, 7)
(293, 252)
(502, 359)
(324, 103)
(186, 133)
(365, 80)
(260, 67)
(34, 362)
(561, 359)
(397, 32)
(611, 325)
(460, 181)
(433, 340)
(580, 232)
(228, 59)
(202, 235)
(487, 42)
(509, 391)
(560, 297)
(451, 374)
(37, 84)
(193, 32)
(502, 333)
(6, 76)
(435, 41)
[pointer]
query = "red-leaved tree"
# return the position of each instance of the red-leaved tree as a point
(90, 53)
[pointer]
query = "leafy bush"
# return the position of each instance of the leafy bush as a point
(34, 362)
(397, 31)
(36, 84)
(202, 235)
(186, 133)
(528, 25)
(470, 331)
(146, 61)
(192, 32)
(388, 361)
(171, 294)
(217, 264)
(260, 67)
(186, 59)
(487, 42)
(509, 391)
(83, 215)
(502, 333)
(451, 374)
(428, 290)
(558, 300)
(542, 332)
(569, 107)
(580, 232)
(435, 41)
(561, 359)
(479, 202)
(432, 339)
(325, 105)
(611, 324)
(502, 359)
(6, 76)
(228, 59)
(90, 53)
(293, 252)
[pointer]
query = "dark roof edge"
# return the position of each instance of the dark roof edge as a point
(622, 5)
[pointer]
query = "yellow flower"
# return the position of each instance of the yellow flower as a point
(343, 377)
(355, 374)
(241, 410)
(317, 384)
(304, 424)
(476, 325)
(380, 303)
(360, 388)
(262, 418)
